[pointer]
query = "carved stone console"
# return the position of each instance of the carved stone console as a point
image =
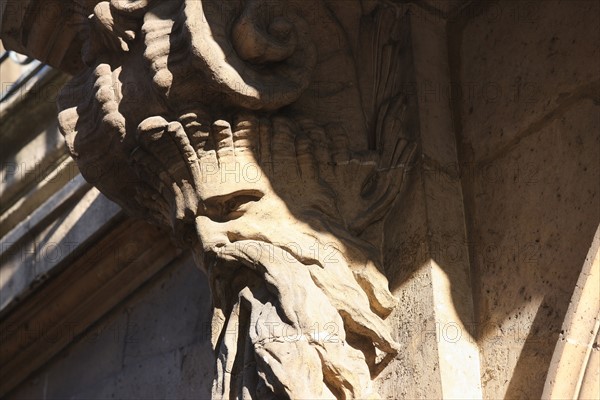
(271, 138)
(372, 188)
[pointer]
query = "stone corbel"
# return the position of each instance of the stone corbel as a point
(272, 139)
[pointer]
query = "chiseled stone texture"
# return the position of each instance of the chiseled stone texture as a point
(534, 225)
(530, 148)
(522, 61)
(154, 346)
(415, 371)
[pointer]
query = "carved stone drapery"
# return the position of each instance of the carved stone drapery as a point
(270, 138)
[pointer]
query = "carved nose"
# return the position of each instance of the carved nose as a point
(231, 206)
(213, 235)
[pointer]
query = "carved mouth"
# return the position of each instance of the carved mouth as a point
(255, 253)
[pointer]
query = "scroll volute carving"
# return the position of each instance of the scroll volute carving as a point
(245, 130)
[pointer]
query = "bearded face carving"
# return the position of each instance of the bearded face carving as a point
(200, 116)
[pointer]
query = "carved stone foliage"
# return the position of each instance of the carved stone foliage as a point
(263, 138)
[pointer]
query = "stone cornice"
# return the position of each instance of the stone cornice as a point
(110, 269)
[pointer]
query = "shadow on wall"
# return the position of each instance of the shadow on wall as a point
(530, 174)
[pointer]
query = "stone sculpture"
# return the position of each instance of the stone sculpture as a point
(270, 137)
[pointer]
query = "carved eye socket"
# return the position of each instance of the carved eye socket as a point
(237, 203)
(231, 206)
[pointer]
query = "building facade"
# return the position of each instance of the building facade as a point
(490, 250)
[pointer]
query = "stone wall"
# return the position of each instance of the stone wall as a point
(154, 345)
(527, 124)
